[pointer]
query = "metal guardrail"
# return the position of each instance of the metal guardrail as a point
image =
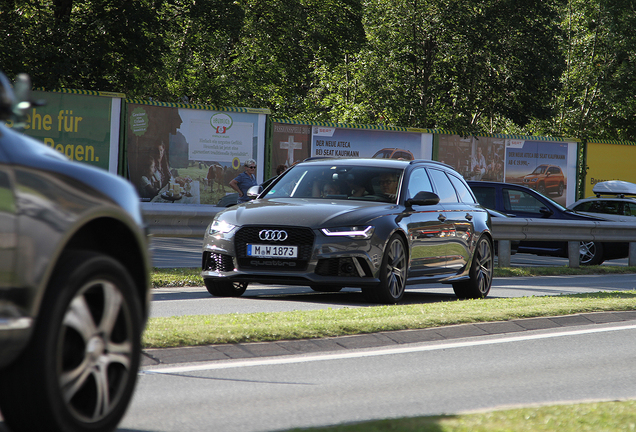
(510, 229)
(172, 220)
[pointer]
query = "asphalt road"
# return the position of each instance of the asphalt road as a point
(554, 365)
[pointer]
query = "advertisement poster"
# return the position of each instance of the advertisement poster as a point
(475, 158)
(542, 166)
(362, 143)
(607, 161)
(290, 144)
(85, 127)
(188, 156)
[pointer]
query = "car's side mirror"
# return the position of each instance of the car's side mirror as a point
(422, 199)
(545, 212)
(254, 191)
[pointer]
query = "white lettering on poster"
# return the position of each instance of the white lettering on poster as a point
(205, 144)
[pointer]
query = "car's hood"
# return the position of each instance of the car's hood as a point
(305, 212)
(533, 176)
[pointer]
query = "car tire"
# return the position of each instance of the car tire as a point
(591, 253)
(561, 189)
(393, 272)
(326, 288)
(79, 370)
(541, 189)
(225, 288)
(481, 270)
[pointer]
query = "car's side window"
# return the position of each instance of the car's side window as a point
(445, 188)
(485, 196)
(629, 209)
(462, 190)
(519, 201)
(418, 182)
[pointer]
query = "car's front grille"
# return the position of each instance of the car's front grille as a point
(217, 262)
(303, 238)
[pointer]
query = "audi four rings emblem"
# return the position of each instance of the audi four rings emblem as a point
(274, 235)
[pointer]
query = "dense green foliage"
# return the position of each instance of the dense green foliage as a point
(538, 67)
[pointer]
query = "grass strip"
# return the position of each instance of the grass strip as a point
(189, 277)
(262, 327)
(588, 417)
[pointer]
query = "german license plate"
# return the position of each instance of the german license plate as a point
(270, 251)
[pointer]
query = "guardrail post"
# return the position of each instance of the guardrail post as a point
(573, 253)
(631, 261)
(503, 253)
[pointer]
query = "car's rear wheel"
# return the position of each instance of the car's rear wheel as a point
(225, 288)
(392, 274)
(79, 370)
(326, 288)
(481, 270)
(591, 253)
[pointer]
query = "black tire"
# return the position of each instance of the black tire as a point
(481, 270)
(561, 189)
(393, 273)
(326, 288)
(225, 288)
(541, 189)
(88, 334)
(591, 253)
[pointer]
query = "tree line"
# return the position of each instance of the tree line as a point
(534, 67)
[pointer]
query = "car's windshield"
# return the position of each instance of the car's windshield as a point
(338, 182)
(539, 170)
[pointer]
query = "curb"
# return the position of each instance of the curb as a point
(207, 353)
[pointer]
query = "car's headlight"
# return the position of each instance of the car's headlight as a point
(355, 231)
(221, 227)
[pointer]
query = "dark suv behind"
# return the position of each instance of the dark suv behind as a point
(520, 201)
(74, 286)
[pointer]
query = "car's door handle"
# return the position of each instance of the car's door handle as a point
(469, 216)
(441, 218)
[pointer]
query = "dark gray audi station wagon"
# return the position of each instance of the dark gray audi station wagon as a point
(369, 223)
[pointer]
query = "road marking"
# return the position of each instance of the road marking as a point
(371, 353)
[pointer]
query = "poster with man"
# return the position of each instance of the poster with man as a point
(188, 156)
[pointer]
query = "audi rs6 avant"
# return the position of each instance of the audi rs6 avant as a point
(374, 224)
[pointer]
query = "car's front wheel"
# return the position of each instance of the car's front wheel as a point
(392, 274)
(79, 370)
(591, 253)
(481, 270)
(225, 288)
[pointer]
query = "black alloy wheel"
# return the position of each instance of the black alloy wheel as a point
(481, 271)
(393, 272)
(79, 371)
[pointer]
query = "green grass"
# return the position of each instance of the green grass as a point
(589, 417)
(195, 330)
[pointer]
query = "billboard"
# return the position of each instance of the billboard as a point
(83, 125)
(609, 161)
(183, 155)
(544, 164)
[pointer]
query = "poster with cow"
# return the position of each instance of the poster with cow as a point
(189, 156)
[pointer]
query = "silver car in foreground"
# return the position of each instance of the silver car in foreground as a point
(74, 287)
(376, 224)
